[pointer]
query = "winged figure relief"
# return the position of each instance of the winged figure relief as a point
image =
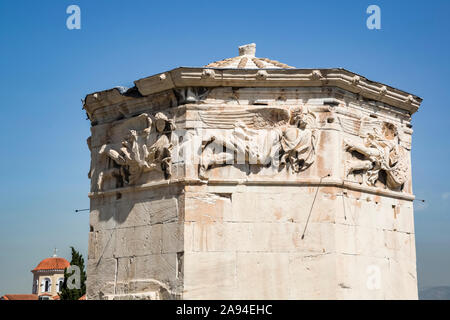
(254, 118)
(380, 151)
(145, 146)
(258, 135)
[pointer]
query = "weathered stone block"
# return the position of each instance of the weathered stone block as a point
(209, 275)
(251, 285)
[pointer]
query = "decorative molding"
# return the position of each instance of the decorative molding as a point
(326, 182)
(209, 74)
(198, 77)
(262, 74)
(316, 75)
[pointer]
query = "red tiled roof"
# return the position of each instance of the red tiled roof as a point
(19, 297)
(53, 263)
(53, 297)
(83, 297)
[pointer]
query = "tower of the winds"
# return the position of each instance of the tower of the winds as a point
(251, 179)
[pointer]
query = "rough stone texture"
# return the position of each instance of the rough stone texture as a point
(313, 198)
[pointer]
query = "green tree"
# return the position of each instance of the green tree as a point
(74, 294)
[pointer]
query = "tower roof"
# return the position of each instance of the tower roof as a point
(248, 60)
(246, 70)
(53, 263)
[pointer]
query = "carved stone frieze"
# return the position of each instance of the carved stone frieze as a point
(139, 151)
(261, 136)
(380, 157)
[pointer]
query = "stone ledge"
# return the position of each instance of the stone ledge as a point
(330, 182)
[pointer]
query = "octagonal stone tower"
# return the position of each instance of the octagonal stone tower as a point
(251, 179)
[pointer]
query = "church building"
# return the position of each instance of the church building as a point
(48, 277)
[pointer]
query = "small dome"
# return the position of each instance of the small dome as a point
(54, 263)
(247, 60)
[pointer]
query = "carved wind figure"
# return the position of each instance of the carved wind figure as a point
(141, 151)
(381, 151)
(160, 151)
(262, 136)
(298, 141)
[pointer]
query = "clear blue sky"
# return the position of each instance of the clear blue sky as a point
(47, 69)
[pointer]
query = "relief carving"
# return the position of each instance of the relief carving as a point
(140, 151)
(260, 136)
(380, 156)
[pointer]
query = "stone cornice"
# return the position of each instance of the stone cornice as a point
(330, 182)
(221, 77)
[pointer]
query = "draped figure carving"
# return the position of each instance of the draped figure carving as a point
(141, 150)
(380, 151)
(261, 136)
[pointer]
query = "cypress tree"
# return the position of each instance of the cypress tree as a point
(74, 294)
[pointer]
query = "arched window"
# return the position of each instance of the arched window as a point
(59, 284)
(46, 285)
